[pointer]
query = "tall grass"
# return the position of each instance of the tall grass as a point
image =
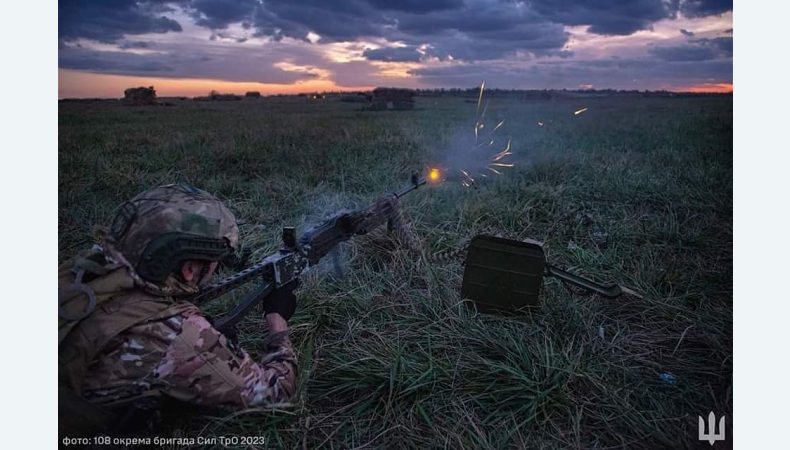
(635, 190)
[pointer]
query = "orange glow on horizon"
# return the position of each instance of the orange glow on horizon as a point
(78, 84)
(707, 88)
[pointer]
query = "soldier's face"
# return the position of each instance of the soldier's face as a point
(207, 273)
(197, 273)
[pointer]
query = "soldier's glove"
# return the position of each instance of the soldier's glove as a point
(282, 301)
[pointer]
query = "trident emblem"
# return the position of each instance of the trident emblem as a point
(711, 436)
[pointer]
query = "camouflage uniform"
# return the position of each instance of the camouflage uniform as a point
(185, 358)
(139, 340)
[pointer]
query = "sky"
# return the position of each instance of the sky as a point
(190, 47)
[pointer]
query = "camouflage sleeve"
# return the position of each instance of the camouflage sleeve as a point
(200, 366)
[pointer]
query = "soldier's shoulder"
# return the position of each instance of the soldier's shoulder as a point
(169, 323)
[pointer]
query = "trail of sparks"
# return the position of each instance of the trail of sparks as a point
(577, 112)
(503, 153)
(480, 97)
(482, 140)
(472, 180)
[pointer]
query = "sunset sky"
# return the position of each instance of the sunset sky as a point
(190, 47)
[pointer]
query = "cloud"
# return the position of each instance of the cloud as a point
(412, 21)
(684, 53)
(109, 21)
(218, 14)
(696, 50)
(112, 62)
(481, 31)
(701, 8)
(723, 44)
(614, 73)
(392, 54)
(459, 42)
(416, 6)
(125, 45)
(607, 17)
(189, 61)
(344, 21)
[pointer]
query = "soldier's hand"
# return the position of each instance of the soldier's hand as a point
(282, 301)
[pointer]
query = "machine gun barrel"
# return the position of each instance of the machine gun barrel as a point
(416, 182)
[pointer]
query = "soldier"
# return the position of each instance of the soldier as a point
(126, 336)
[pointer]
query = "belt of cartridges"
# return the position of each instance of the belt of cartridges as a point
(447, 255)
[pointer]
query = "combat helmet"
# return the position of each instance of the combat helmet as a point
(160, 228)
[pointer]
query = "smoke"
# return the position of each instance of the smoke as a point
(481, 150)
(322, 207)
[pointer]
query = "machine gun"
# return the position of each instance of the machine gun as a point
(299, 255)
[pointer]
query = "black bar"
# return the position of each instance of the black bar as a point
(609, 291)
(240, 310)
(413, 187)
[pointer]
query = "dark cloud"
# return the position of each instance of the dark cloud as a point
(133, 44)
(217, 14)
(416, 6)
(413, 21)
(237, 64)
(340, 21)
(684, 53)
(392, 54)
(482, 31)
(479, 47)
(723, 44)
(110, 20)
(112, 62)
(696, 50)
(614, 73)
(701, 8)
(686, 33)
(608, 17)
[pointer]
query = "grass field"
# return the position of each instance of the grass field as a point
(634, 190)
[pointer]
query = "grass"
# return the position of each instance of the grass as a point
(635, 190)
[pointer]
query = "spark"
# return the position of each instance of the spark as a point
(502, 164)
(480, 96)
(503, 153)
(540, 124)
(478, 117)
(494, 170)
(467, 175)
(498, 125)
(576, 113)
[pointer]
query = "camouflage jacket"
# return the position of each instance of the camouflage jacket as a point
(184, 357)
(140, 342)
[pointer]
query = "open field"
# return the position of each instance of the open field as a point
(635, 190)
